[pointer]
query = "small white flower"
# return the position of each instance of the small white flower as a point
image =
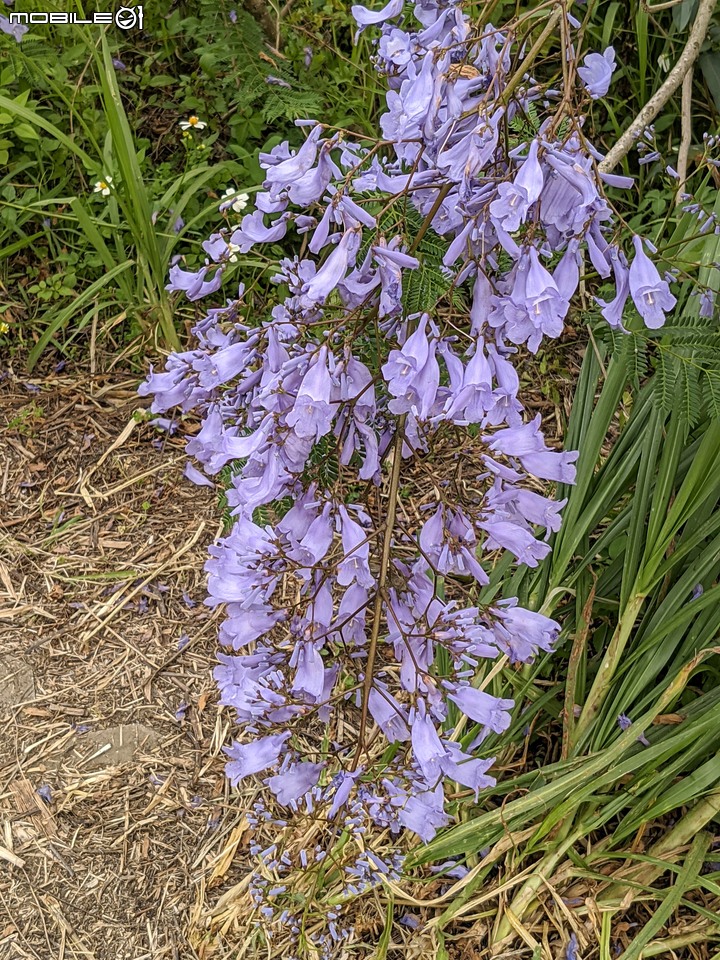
(192, 123)
(103, 186)
(232, 251)
(231, 200)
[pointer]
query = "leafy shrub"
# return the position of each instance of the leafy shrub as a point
(70, 118)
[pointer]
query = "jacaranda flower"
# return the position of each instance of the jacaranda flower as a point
(597, 72)
(650, 293)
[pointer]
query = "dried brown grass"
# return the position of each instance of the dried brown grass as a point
(100, 537)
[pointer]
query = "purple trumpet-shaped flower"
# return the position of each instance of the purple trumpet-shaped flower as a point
(507, 535)
(396, 47)
(599, 251)
(249, 758)
(409, 108)
(194, 476)
(572, 947)
(245, 683)
(310, 672)
(252, 230)
(448, 541)
(483, 708)
(517, 441)
(549, 465)
(427, 747)
(327, 278)
(650, 293)
(16, 30)
(528, 505)
(465, 769)
(471, 403)
(624, 722)
(521, 633)
(365, 18)
(287, 169)
(194, 285)
(314, 545)
(391, 264)
(707, 303)
(224, 365)
(545, 305)
(413, 375)
(613, 310)
(567, 272)
(312, 414)
(351, 616)
(424, 812)
(515, 199)
(597, 72)
(388, 714)
(312, 184)
(294, 782)
(354, 567)
(527, 444)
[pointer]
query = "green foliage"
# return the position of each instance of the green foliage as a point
(424, 288)
(68, 119)
(685, 353)
(323, 466)
(267, 86)
(427, 286)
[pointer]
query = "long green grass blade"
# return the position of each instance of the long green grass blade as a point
(64, 316)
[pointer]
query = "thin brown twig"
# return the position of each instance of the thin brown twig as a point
(390, 522)
(382, 580)
(521, 72)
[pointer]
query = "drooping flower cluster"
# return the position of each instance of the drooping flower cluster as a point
(355, 639)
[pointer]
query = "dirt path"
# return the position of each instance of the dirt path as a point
(116, 826)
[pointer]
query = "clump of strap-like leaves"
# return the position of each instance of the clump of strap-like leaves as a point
(429, 258)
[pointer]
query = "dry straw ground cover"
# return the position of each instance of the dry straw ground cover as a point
(106, 691)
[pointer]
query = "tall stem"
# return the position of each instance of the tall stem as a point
(602, 681)
(390, 522)
(382, 580)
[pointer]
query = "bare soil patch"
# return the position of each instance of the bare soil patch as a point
(117, 828)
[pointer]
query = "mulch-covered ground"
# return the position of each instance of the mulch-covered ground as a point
(118, 835)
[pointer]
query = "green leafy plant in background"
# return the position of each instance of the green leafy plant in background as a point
(74, 112)
(129, 215)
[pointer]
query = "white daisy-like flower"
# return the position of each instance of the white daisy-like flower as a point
(103, 186)
(232, 200)
(192, 123)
